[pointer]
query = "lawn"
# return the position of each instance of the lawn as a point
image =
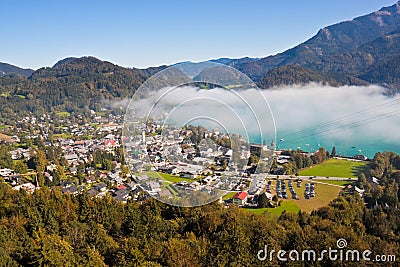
(94, 125)
(335, 168)
(168, 177)
(229, 195)
(63, 114)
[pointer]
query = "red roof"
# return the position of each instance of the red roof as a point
(109, 142)
(241, 195)
(121, 186)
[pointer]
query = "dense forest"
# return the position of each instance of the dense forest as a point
(75, 85)
(296, 75)
(48, 228)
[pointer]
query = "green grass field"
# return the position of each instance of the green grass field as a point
(94, 125)
(63, 114)
(169, 177)
(335, 168)
(228, 196)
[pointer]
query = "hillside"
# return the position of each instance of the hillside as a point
(234, 62)
(75, 85)
(6, 69)
(347, 47)
(295, 74)
(387, 71)
(72, 85)
(222, 75)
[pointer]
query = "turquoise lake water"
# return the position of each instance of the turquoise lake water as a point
(349, 146)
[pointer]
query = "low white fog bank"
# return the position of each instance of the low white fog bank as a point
(343, 112)
(301, 114)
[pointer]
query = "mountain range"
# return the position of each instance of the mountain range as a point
(358, 48)
(361, 51)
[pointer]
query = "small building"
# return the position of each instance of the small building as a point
(28, 187)
(360, 157)
(359, 191)
(240, 198)
(375, 180)
(70, 190)
(90, 179)
(6, 172)
(101, 187)
(93, 192)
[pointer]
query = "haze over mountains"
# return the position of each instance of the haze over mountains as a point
(6, 69)
(362, 51)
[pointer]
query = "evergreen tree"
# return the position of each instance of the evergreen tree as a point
(333, 153)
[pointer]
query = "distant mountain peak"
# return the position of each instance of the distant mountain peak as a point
(78, 60)
(347, 48)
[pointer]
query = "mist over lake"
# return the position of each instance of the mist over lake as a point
(355, 119)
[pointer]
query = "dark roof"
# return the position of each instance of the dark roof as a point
(71, 189)
(131, 185)
(119, 198)
(100, 186)
(93, 192)
(65, 183)
(121, 192)
(137, 190)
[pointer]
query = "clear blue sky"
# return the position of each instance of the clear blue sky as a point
(151, 33)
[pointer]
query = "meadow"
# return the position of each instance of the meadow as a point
(335, 168)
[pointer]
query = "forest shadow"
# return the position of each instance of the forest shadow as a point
(357, 170)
